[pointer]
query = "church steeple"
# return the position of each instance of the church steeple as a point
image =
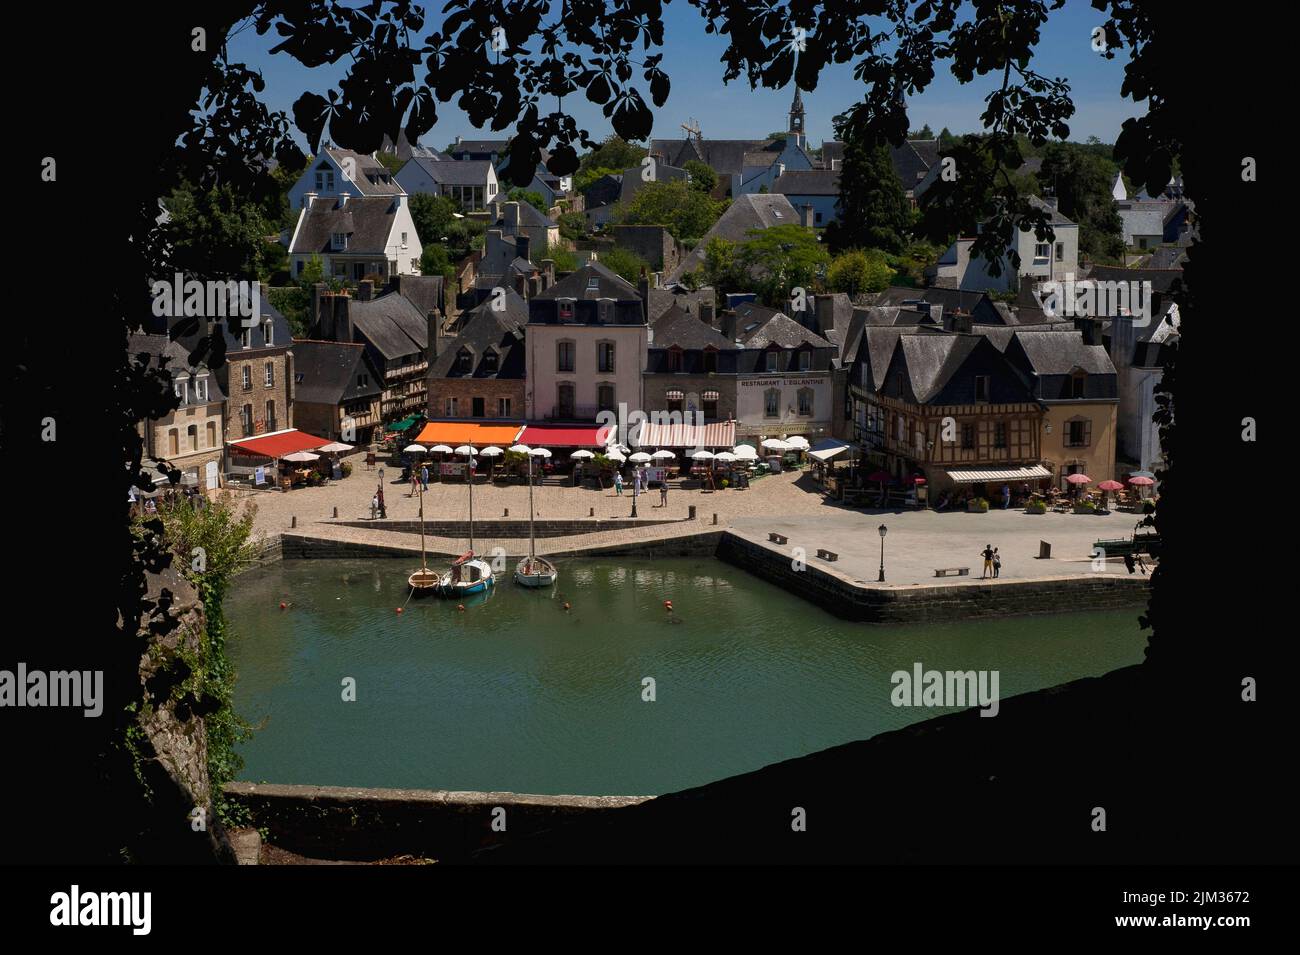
(796, 116)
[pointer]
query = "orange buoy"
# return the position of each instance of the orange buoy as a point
(668, 605)
(567, 606)
(399, 609)
(283, 605)
(460, 607)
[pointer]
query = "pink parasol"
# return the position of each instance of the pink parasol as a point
(1078, 479)
(1110, 486)
(1141, 481)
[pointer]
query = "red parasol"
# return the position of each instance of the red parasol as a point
(1078, 479)
(1110, 486)
(1141, 481)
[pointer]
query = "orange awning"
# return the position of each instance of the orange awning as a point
(456, 433)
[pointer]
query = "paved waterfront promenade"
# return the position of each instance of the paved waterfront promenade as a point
(917, 543)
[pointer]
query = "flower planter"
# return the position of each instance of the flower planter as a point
(974, 508)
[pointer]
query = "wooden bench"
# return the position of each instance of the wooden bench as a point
(952, 572)
(776, 538)
(827, 555)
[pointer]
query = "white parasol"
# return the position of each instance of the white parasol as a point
(335, 447)
(614, 454)
(640, 457)
(663, 455)
(302, 456)
(797, 443)
(440, 448)
(416, 449)
(491, 451)
(745, 452)
(582, 454)
(702, 456)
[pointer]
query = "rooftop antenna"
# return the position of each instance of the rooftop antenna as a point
(692, 127)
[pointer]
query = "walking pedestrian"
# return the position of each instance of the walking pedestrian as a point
(424, 477)
(987, 554)
(618, 483)
(997, 563)
(415, 483)
(1006, 496)
(374, 507)
(663, 494)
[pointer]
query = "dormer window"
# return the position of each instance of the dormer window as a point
(201, 388)
(245, 337)
(710, 359)
(1077, 383)
(339, 241)
(805, 360)
(324, 179)
(675, 359)
(593, 282)
(605, 310)
(773, 358)
(490, 362)
(565, 310)
(268, 331)
(981, 387)
(464, 362)
(182, 388)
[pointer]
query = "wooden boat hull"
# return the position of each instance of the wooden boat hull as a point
(541, 573)
(423, 583)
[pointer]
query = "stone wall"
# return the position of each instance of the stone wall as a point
(367, 824)
(305, 546)
(510, 528)
(842, 597)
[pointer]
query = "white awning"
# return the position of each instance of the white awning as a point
(829, 453)
(971, 476)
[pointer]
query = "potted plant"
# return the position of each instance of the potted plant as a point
(1036, 507)
(345, 468)
(977, 505)
(1085, 507)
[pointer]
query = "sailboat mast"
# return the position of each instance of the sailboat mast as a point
(423, 563)
(531, 549)
(469, 474)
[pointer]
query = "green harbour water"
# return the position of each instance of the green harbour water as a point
(516, 693)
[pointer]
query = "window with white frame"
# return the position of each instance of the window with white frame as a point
(181, 386)
(605, 357)
(449, 408)
(246, 378)
(338, 241)
(201, 388)
(270, 374)
(503, 407)
(805, 360)
(1042, 252)
(772, 359)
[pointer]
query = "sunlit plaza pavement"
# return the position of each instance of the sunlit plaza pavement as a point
(790, 504)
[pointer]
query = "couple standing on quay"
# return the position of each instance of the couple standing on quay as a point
(992, 562)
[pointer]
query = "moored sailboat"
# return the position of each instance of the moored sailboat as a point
(423, 581)
(468, 574)
(533, 571)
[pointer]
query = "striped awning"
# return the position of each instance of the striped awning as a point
(720, 434)
(972, 476)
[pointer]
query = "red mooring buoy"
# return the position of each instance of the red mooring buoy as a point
(460, 607)
(283, 605)
(399, 609)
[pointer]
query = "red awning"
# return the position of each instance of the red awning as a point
(278, 444)
(545, 435)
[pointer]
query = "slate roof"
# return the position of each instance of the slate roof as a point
(931, 360)
(478, 146)
(391, 324)
(808, 182)
(774, 328)
(575, 285)
(661, 300)
(631, 182)
(686, 330)
(832, 151)
(1059, 353)
(370, 172)
(913, 160)
(881, 316)
(423, 291)
(1055, 217)
(159, 347)
(466, 172)
(1162, 280)
(188, 334)
(746, 212)
(368, 220)
(1168, 257)
(725, 156)
(329, 372)
(530, 218)
(483, 327)
(1141, 221)
(875, 350)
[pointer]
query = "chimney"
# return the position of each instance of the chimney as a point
(512, 216)
(808, 217)
(1122, 341)
(1090, 330)
(523, 244)
(397, 202)
(534, 285)
(365, 290)
(307, 198)
(824, 309)
(432, 324)
(707, 313)
(317, 291)
(343, 199)
(729, 324)
(457, 140)
(643, 290)
(548, 273)
(521, 285)
(342, 318)
(961, 321)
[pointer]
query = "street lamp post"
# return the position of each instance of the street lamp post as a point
(635, 485)
(883, 531)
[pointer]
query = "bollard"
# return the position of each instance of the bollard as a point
(1044, 550)
(690, 513)
(507, 513)
(715, 518)
(293, 522)
(591, 512)
(336, 512)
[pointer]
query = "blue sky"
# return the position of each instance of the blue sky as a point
(692, 59)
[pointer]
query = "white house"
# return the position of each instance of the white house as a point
(471, 183)
(1040, 261)
(343, 172)
(356, 238)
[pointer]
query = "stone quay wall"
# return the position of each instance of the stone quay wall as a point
(367, 824)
